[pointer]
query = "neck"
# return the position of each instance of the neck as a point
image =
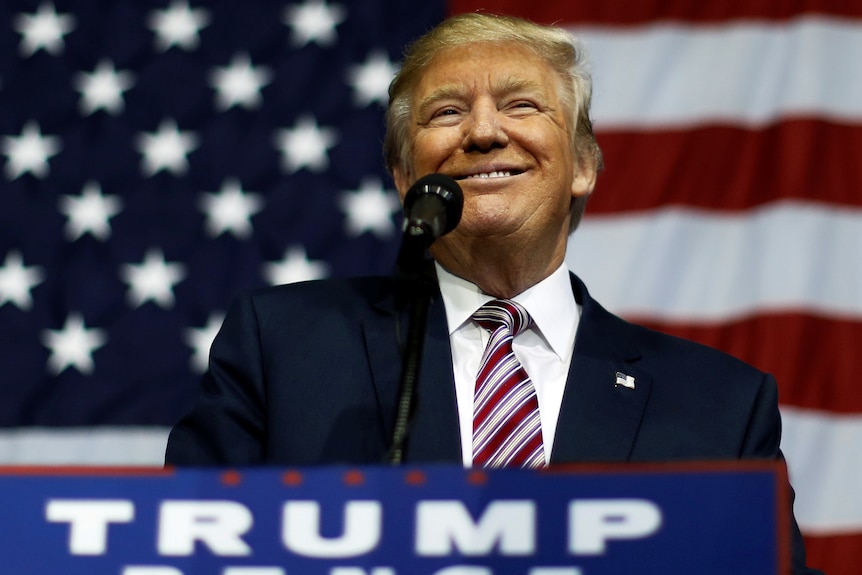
(499, 270)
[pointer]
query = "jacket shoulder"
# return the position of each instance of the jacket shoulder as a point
(607, 333)
(348, 295)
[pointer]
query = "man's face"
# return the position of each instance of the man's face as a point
(490, 115)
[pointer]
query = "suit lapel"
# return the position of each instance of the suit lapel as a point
(433, 435)
(599, 419)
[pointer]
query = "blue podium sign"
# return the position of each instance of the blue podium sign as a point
(705, 519)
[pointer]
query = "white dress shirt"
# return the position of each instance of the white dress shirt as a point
(545, 349)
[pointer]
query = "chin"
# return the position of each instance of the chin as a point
(486, 226)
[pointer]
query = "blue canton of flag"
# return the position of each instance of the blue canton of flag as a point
(157, 158)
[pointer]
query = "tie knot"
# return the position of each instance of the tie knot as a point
(499, 312)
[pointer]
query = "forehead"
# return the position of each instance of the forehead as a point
(485, 66)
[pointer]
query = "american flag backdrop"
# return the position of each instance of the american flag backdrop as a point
(157, 157)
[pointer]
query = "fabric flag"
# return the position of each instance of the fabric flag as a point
(155, 159)
(158, 157)
(730, 210)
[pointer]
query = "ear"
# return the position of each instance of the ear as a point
(584, 181)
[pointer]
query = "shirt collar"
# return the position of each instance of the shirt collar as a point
(551, 304)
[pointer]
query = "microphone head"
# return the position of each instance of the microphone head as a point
(445, 190)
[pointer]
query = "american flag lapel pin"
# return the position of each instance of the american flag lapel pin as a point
(625, 380)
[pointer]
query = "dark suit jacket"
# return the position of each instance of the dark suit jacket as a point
(308, 374)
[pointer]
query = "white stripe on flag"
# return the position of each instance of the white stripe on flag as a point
(697, 266)
(747, 73)
(823, 456)
(95, 446)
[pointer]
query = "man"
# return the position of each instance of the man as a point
(309, 373)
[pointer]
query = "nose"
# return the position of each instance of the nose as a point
(483, 130)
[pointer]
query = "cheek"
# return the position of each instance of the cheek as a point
(430, 149)
(547, 139)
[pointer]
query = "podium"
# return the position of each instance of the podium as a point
(707, 518)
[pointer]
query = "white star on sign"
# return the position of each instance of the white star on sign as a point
(166, 149)
(305, 145)
(178, 25)
(230, 209)
(370, 81)
(200, 339)
(239, 84)
(73, 346)
(313, 21)
(152, 280)
(294, 267)
(43, 30)
(29, 152)
(16, 281)
(89, 212)
(103, 88)
(370, 209)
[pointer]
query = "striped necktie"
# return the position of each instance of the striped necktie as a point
(507, 431)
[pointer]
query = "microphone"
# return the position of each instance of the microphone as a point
(432, 208)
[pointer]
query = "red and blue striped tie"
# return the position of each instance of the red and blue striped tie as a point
(507, 431)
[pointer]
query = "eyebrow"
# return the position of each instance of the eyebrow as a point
(459, 92)
(444, 92)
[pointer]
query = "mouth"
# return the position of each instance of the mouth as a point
(490, 175)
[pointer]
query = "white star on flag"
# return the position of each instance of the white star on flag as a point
(153, 279)
(294, 267)
(16, 281)
(305, 145)
(370, 209)
(178, 25)
(314, 21)
(239, 84)
(370, 80)
(166, 149)
(230, 209)
(43, 30)
(103, 88)
(200, 339)
(73, 345)
(29, 152)
(89, 213)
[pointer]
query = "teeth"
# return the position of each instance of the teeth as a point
(490, 175)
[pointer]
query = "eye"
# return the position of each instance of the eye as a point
(445, 116)
(445, 112)
(522, 105)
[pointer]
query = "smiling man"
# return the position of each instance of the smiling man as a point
(493, 116)
(522, 367)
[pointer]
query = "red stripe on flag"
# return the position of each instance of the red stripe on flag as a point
(730, 168)
(621, 12)
(826, 379)
(835, 554)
